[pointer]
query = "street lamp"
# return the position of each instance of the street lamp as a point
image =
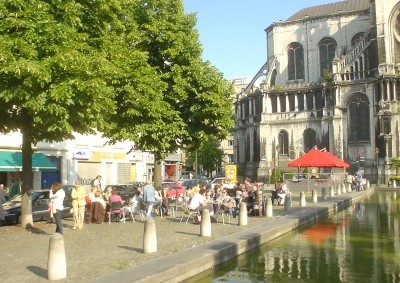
(377, 167)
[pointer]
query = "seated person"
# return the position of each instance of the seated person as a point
(133, 206)
(158, 200)
(107, 194)
(97, 212)
(281, 191)
(252, 200)
(226, 202)
(98, 198)
(115, 197)
(199, 202)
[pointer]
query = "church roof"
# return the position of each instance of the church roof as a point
(330, 9)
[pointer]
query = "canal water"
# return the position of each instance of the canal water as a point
(358, 244)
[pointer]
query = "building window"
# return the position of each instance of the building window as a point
(283, 140)
(230, 142)
(327, 52)
(295, 61)
(309, 139)
(359, 119)
(357, 38)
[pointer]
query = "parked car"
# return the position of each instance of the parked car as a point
(174, 189)
(188, 183)
(219, 181)
(186, 175)
(68, 188)
(299, 177)
(126, 191)
(40, 207)
(137, 184)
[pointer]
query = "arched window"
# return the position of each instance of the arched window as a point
(283, 140)
(309, 139)
(359, 119)
(295, 61)
(327, 52)
(357, 38)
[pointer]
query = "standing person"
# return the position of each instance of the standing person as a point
(148, 197)
(78, 205)
(2, 200)
(3, 190)
(57, 196)
(96, 182)
(350, 180)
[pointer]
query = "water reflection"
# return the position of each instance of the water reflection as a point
(358, 244)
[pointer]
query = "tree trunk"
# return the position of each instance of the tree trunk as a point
(27, 177)
(157, 172)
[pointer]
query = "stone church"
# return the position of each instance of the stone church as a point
(331, 80)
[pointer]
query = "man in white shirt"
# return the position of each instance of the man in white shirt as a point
(199, 201)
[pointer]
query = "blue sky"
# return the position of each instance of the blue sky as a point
(232, 31)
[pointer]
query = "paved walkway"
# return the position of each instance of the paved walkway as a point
(101, 249)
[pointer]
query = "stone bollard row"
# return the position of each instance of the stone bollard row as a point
(288, 202)
(302, 199)
(205, 225)
(57, 263)
(269, 211)
(315, 196)
(149, 237)
(242, 214)
(331, 191)
(323, 194)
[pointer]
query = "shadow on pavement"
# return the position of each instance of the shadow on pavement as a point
(38, 271)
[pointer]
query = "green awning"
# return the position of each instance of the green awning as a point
(11, 161)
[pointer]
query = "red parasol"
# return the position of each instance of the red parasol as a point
(317, 158)
(339, 161)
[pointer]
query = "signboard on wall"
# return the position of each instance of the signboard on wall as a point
(230, 174)
(81, 153)
(135, 156)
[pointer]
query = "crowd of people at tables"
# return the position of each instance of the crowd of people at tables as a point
(95, 205)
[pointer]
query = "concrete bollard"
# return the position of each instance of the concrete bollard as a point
(331, 191)
(349, 189)
(302, 199)
(269, 210)
(323, 194)
(288, 202)
(369, 185)
(150, 237)
(57, 263)
(338, 190)
(205, 225)
(343, 188)
(242, 214)
(315, 196)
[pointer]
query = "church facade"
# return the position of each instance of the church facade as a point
(331, 80)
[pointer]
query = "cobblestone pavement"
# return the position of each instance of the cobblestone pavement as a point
(100, 249)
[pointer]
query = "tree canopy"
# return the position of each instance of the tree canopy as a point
(131, 69)
(192, 99)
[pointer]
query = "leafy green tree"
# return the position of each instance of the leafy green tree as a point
(192, 100)
(209, 155)
(57, 62)
(275, 175)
